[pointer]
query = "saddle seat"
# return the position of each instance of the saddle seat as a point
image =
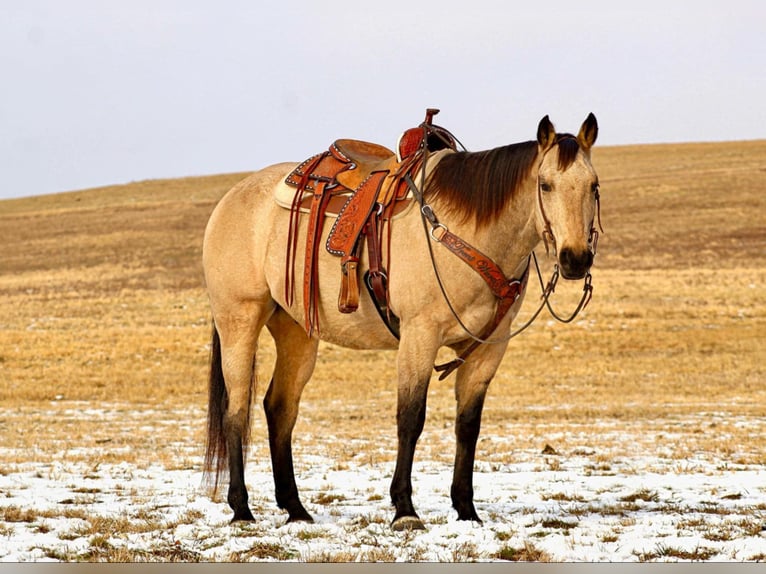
(361, 152)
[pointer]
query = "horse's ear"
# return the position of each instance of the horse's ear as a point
(588, 132)
(546, 133)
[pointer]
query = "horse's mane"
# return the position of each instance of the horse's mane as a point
(568, 148)
(477, 185)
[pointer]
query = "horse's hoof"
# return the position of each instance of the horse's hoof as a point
(407, 523)
(307, 519)
(243, 516)
(472, 516)
(296, 513)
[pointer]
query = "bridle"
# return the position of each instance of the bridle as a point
(547, 233)
(548, 236)
(438, 232)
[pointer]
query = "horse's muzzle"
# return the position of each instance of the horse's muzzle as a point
(575, 264)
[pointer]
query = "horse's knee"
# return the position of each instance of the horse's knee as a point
(411, 418)
(470, 404)
(468, 419)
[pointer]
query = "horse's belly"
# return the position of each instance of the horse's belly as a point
(362, 329)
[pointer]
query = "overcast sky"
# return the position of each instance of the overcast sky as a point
(106, 92)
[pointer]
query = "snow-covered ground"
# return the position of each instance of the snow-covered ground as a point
(559, 507)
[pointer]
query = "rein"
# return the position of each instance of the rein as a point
(507, 291)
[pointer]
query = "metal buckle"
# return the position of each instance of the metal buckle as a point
(433, 230)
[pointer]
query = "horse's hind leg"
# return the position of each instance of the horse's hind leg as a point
(296, 357)
(232, 378)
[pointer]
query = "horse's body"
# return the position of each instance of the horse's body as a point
(244, 261)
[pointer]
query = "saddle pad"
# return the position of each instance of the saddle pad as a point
(284, 194)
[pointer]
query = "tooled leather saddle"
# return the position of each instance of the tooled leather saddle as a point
(364, 183)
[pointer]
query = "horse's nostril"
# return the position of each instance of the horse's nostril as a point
(575, 264)
(568, 257)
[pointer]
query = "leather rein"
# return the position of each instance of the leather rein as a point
(506, 290)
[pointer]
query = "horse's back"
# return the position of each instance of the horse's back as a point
(253, 191)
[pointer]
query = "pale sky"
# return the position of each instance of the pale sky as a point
(106, 92)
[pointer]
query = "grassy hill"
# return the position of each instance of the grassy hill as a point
(102, 299)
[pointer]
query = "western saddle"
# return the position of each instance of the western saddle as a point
(365, 184)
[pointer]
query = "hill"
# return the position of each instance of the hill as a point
(104, 333)
(94, 282)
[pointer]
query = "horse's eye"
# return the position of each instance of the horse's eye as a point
(545, 186)
(594, 188)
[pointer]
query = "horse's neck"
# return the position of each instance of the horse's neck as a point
(511, 237)
(514, 233)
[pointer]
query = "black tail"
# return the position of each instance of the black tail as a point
(216, 451)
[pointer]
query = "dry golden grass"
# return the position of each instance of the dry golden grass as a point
(102, 304)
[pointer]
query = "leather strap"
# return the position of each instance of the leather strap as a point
(311, 261)
(376, 278)
(348, 296)
(301, 175)
(483, 265)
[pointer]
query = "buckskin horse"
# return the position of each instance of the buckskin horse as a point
(452, 254)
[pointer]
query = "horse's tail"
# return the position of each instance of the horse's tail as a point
(215, 451)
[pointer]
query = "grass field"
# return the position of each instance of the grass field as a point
(102, 303)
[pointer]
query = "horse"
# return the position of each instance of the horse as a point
(507, 200)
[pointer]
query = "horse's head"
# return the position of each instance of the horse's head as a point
(567, 195)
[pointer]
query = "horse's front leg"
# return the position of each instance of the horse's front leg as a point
(414, 365)
(471, 384)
